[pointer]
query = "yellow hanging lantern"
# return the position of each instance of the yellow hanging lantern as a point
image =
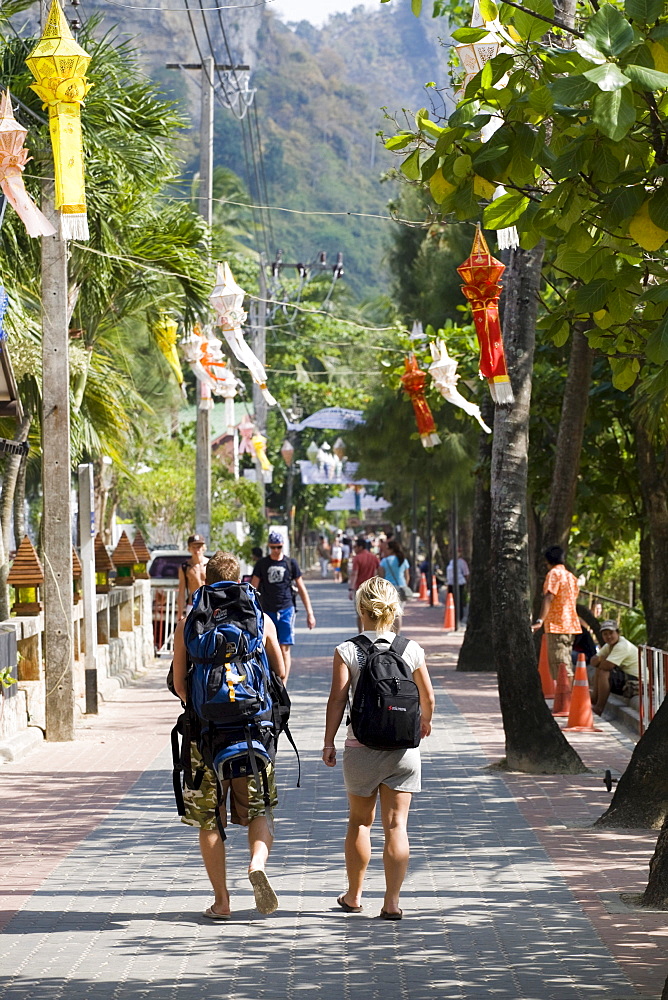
(59, 66)
(164, 331)
(259, 443)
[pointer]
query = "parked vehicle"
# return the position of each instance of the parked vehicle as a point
(163, 570)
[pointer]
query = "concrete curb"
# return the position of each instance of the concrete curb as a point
(20, 743)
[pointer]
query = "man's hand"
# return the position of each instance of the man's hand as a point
(425, 729)
(310, 620)
(329, 756)
(351, 594)
(538, 625)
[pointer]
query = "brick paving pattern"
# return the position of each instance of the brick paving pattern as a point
(508, 895)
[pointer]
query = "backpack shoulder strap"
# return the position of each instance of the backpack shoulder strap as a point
(362, 642)
(399, 645)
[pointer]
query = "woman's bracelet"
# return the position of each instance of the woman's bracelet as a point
(329, 748)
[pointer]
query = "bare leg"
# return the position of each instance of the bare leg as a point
(213, 855)
(287, 660)
(358, 844)
(260, 839)
(601, 690)
(394, 808)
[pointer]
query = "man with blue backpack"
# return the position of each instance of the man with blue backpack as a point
(228, 670)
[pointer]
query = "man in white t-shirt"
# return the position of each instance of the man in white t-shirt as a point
(616, 654)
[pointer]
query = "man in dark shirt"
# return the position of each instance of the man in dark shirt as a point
(274, 576)
(365, 565)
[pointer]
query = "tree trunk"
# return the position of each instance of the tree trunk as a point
(534, 742)
(476, 651)
(656, 892)
(12, 465)
(652, 464)
(641, 797)
(561, 504)
(664, 994)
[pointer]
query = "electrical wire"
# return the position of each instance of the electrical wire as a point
(256, 298)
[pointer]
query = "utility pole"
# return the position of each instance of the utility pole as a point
(203, 461)
(87, 550)
(259, 343)
(205, 202)
(57, 511)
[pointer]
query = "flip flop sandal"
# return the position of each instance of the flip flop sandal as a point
(386, 915)
(266, 899)
(346, 907)
(212, 915)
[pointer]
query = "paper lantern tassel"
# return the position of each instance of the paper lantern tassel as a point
(413, 381)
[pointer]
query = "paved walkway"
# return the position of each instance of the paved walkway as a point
(508, 895)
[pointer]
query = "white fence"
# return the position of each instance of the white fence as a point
(165, 618)
(652, 682)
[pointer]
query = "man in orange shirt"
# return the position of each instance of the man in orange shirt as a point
(558, 613)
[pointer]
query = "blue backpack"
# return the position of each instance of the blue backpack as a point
(236, 707)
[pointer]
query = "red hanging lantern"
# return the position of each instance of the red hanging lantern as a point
(481, 273)
(413, 381)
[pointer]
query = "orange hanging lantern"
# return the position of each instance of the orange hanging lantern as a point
(413, 381)
(481, 273)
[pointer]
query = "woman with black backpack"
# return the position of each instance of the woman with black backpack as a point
(392, 703)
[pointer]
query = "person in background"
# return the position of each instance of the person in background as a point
(337, 556)
(345, 558)
(279, 578)
(323, 551)
(396, 569)
(191, 574)
(558, 613)
(365, 566)
(462, 580)
(616, 665)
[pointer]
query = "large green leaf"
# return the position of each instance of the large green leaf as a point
(530, 27)
(571, 160)
(607, 76)
(656, 348)
(466, 35)
(624, 202)
(658, 207)
(623, 374)
(650, 79)
(609, 31)
(505, 210)
(398, 141)
(488, 10)
(572, 89)
(646, 11)
(614, 112)
(588, 51)
(416, 7)
(411, 165)
(592, 296)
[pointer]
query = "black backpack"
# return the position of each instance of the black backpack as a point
(385, 712)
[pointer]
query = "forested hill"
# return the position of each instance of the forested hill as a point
(319, 100)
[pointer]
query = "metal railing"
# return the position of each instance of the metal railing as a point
(165, 618)
(652, 682)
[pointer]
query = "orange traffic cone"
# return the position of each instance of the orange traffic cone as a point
(423, 595)
(562, 697)
(434, 591)
(546, 681)
(449, 620)
(581, 717)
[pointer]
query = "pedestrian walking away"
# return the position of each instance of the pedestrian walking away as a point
(364, 566)
(323, 551)
(191, 574)
(387, 764)
(395, 568)
(279, 580)
(558, 613)
(251, 801)
(337, 556)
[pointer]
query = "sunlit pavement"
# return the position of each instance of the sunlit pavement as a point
(508, 894)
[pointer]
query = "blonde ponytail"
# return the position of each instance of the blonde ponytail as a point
(379, 601)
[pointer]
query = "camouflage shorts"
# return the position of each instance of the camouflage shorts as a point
(559, 646)
(246, 802)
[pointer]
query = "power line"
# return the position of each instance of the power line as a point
(179, 10)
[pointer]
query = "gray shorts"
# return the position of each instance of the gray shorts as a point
(365, 769)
